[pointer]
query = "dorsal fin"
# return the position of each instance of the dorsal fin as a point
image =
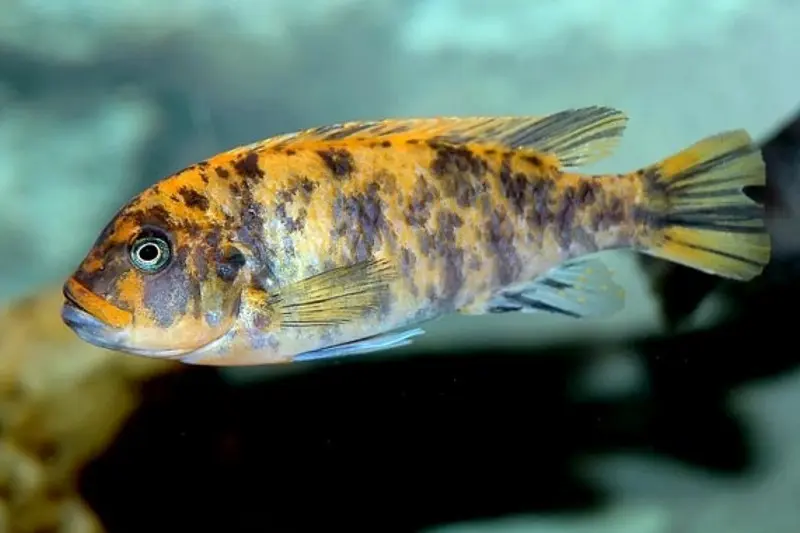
(575, 136)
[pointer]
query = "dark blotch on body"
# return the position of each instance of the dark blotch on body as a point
(527, 194)
(250, 234)
(306, 185)
(193, 199)
(612, 213)
(534, 160)
(654, 187)
(159, 217)
(261, 322)
(540, 213)
(222, 172)
(461, 172)
(407, 263)
(339, 161)
(104, 281)
(248, 167)
(206, 249)
(445, 247)
(587, 198)
(292, 224)
(500, 235)
(196, 297)
(605, 209)
(360, 222)
(300, 187)
(156, 215)
(213, 238)
(587, 192)
(515, 185)
(564, 219)
(418, 208)
(387, 182)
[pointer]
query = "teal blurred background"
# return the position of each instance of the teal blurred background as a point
(100, 99)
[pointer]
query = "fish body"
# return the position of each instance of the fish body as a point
(344, 239)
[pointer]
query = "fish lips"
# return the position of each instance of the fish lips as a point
(88, 327)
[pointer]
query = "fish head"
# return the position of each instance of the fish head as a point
(158, 281)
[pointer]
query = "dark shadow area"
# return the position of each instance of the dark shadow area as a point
(399, 445)
(362, 446)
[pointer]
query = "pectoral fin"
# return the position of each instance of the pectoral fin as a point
(579, 289)
(333, 297)
(375, 343)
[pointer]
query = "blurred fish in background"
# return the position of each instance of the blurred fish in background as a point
(676, 415)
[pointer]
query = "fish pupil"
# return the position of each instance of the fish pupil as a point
(149, 253)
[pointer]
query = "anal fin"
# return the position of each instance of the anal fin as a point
(581, 288)
(376, 343)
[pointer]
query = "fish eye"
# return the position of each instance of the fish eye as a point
(150, 252)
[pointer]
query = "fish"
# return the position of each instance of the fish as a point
(346, 239)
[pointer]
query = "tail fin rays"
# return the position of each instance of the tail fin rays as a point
(699, 215)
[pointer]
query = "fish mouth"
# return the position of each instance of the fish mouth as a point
(97, 332)
(93, 331)
(88, 327)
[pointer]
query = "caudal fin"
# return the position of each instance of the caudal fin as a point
(697, 214)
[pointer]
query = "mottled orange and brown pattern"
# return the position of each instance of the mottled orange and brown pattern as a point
(445, 217)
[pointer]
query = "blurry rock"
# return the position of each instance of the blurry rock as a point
(61, 403)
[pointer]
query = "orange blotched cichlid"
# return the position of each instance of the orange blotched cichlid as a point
(342, 239)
